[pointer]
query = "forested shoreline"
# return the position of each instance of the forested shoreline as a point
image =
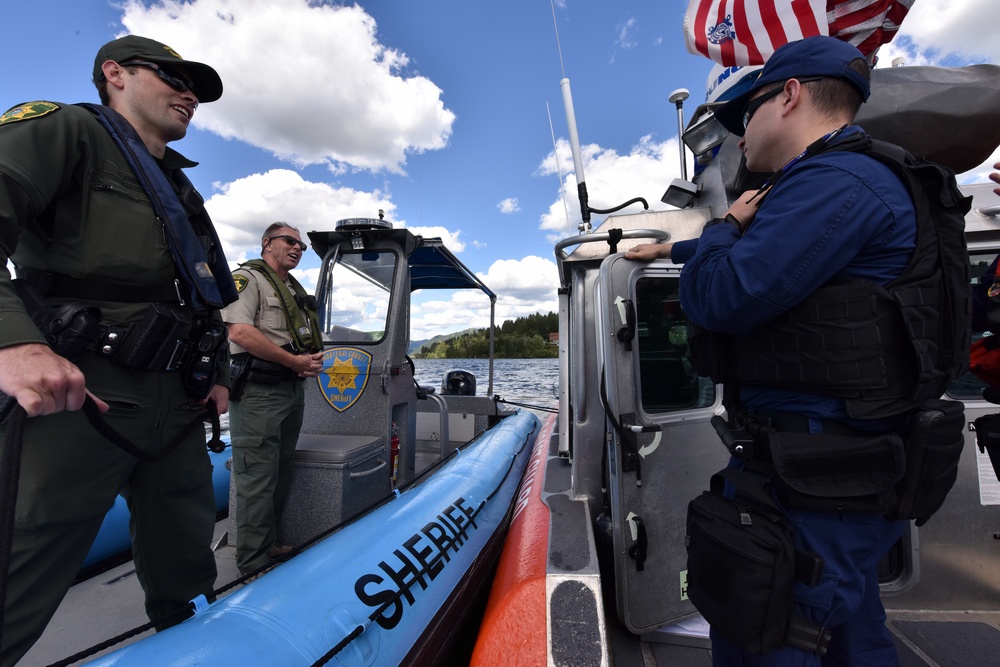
(522, 338)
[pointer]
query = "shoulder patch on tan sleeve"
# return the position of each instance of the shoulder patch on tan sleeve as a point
(28, 111)
(241, 281)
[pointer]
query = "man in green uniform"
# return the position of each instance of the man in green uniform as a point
(276, 343)
(78, 222)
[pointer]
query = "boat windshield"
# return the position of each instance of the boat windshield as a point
(356, 302)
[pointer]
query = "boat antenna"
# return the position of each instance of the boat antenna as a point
(555, 152)
(677, 98)
(574, 143)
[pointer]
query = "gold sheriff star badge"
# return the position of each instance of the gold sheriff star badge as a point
(342, 374)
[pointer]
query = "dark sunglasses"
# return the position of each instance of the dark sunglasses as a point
(290, 240)
(169, 77)
(751, 108)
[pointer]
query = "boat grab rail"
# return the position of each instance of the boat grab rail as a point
(611, 237)
(443, 422)
(661, 235)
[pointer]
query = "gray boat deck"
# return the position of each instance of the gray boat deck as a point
(923, 639)
(111, 603)
(105, 606)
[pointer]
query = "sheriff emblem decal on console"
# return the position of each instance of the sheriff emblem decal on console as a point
(344, 376)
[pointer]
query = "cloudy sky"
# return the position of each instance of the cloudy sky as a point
(446, 114)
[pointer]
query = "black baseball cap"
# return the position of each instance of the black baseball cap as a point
(207, 83)
(813, 56)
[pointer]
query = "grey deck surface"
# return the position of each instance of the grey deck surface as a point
(923, 639)
(105, 606)
(111, 603)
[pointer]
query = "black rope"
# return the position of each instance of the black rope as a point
(76, 657)
(99, 424)
(10, 471)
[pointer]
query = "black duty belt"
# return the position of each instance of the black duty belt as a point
(263, 371)
(117, 342)
(57, 284)
(796, 423)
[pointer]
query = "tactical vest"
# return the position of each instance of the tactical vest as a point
(883, 349)
(302, 317)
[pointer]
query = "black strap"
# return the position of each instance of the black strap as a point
(798, 423)
(748, 485)
(614, 237)
(207, 279)
(97, 421)
(806, 635)
(10, 471)
(58, 284)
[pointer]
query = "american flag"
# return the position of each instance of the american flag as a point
(746, 32)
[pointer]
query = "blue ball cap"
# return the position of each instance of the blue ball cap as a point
(812, 56)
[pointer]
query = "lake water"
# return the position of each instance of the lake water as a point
(532, 382)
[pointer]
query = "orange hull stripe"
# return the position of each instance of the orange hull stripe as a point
(514, 623)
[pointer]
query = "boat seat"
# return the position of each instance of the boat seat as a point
(331, 448)
(334, 478)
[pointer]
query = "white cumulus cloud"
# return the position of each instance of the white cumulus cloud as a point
(612, 179)
(243, 209)
(509, 205)
(365, 109)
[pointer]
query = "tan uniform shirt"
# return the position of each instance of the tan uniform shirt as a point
(258, 306)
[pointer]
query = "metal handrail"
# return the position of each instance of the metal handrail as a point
(659, 234)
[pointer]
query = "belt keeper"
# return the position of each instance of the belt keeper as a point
(179, 356)
(109, 340)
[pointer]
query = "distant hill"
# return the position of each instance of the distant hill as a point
(415, 345)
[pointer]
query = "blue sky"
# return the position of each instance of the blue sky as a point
(436, 111)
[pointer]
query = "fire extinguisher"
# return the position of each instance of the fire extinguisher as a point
(394, 452)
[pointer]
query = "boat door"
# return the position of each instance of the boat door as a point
(661, 450)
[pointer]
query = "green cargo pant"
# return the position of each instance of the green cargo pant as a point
(264, 425)
(69, 479)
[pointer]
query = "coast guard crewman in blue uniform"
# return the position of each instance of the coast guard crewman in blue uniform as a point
(826, 215)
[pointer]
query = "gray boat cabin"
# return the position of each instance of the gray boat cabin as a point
(634, 444)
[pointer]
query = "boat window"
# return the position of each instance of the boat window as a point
(967, 386)
(358, 287)
(667, 380)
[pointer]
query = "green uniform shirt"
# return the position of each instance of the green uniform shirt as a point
(70, 204)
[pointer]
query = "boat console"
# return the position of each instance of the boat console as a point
(360, 438)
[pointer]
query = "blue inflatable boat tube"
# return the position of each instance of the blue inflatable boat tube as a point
(371, 587)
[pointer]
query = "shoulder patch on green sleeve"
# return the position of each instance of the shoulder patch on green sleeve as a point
(28, 111)
(241, 281)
